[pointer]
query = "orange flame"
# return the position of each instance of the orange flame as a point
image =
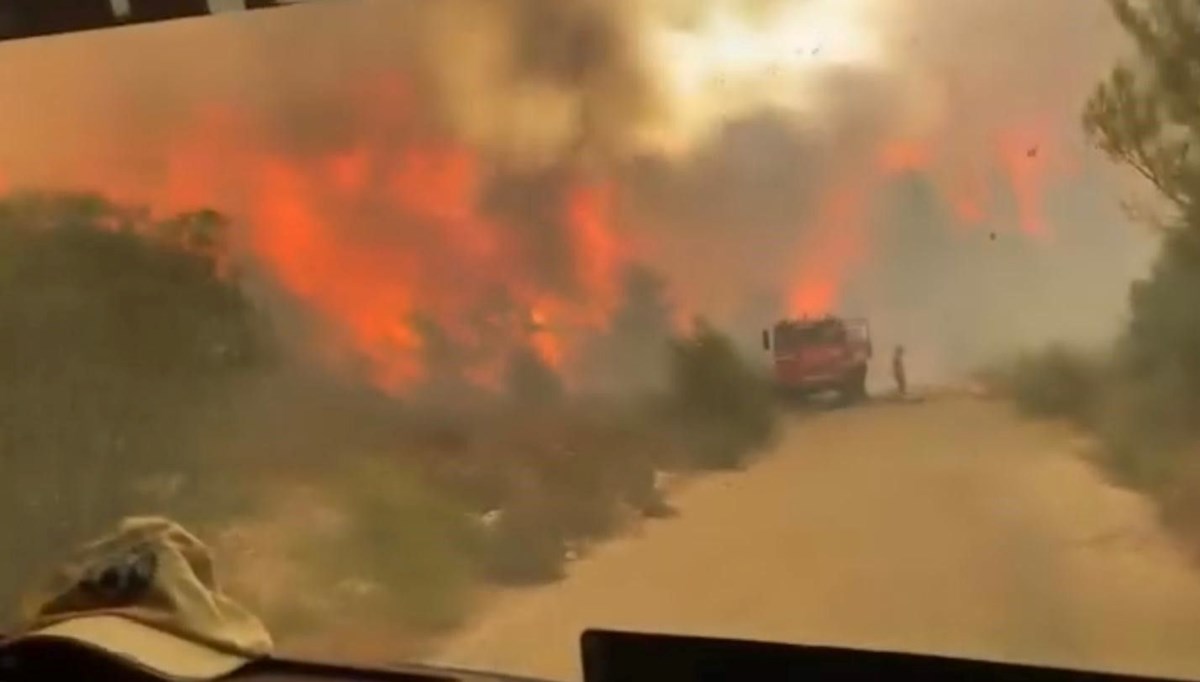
(368, 295)
(598, 251)
(837, 242)
(1024, 154)
(967, 196)
(830, 253)
(388, 226)
(900, 156)
(545, 342)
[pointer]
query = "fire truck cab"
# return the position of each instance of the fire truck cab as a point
(819, 355)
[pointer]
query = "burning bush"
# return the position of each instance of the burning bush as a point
(132, 357)
(530, 382)
(632, 355)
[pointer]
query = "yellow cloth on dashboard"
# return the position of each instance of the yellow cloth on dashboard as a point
(148, 593)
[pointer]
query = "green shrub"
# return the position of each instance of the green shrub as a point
(526, 546)
(1144, 422)
(1142, 116)
(405, 541)
(1055, 382)
(722, 407)
(1179, 499)
(565, 474)
(122, 353)
(1163, 335)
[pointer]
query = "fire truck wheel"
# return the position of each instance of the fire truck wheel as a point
(855, 388)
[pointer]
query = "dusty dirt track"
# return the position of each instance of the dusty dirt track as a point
(949, 526)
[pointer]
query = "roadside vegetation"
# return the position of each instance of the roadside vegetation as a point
(1057, 381)
(1141, 399)
(141, 377)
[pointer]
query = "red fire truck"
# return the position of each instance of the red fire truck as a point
(820, 355)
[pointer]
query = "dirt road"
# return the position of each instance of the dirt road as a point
(949, 526)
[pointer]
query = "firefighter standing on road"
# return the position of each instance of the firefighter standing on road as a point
(898, 372)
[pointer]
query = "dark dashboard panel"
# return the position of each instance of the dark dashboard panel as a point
(286, 670)
(37, 660)
(32, 18)
(607, 657)
(27, 661)
(610, 656)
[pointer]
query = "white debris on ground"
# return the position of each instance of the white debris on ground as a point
(572, 551)
(490, 519)
(661, 480)
(666, 482)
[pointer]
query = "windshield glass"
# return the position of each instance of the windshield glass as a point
(791, 336)
(442, 322)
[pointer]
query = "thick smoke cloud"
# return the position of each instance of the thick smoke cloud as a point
(985, 97)
(730, 218)
(538, 82)
(1009, 58)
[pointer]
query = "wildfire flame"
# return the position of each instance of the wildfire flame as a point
(387, 228)
(1025, 157)
(373, 234)
(836, 246)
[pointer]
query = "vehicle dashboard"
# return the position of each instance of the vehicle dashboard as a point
(607, 656)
